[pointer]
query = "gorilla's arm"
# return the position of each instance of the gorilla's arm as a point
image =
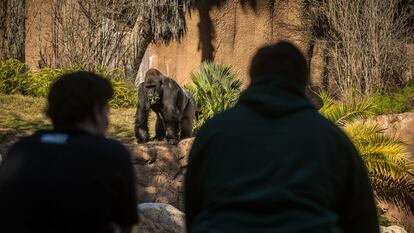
(170, 110)
(159, 128)
(186, 125)
(141, 116)
(186, 128)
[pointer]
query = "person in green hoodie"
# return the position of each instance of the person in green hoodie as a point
(274, 164)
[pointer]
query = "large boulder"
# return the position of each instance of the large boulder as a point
(160, 218)
(392, 229)
(160, 170)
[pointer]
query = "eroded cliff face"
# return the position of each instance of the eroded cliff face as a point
(230, 34)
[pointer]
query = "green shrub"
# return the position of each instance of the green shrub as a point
(215, 88)
(125, 95)
(15, 78)
(38, 82)
(398, 102)
(12, 72)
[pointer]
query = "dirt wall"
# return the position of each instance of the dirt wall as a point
(228, 32)
(235, 32)
(238, 31)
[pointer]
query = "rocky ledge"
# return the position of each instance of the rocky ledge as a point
(160, 170)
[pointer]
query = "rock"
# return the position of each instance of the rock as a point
(184, 148)
(400, 125)
(160, 170)
(392, 229)
(160, 218)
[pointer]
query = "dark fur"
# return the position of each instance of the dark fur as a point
(175, 109)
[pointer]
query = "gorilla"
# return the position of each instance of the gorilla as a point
(174, 106)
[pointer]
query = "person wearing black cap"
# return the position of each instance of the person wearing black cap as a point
(274, 164)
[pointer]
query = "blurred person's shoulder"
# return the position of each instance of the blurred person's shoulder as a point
(228, 119)
(319, 124)
(76, 141)
(328, 131)
(101, 145)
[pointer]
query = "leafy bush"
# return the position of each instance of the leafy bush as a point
(215, 88)
(38, 82)
(125, 95)
(398, 102)
(12, 72)
(389, 166)
(16, 78)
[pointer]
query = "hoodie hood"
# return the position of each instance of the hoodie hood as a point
(275, 95)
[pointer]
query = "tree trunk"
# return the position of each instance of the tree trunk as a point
(12, 29)
(142, 37)
(140, 48)
(3, 7)
(2, 27)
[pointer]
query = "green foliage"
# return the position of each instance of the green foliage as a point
(215, 88)
(125, 95)
(12, 71)
(342, 113)
(383, 221)
(389, 166)
(398, 102)
(38, 82)
(16, 78)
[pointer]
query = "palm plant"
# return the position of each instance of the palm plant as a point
(389, 166)
(215, 88)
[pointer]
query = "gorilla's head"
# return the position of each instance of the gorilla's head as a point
(153, 84)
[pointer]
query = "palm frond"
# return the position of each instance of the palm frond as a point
(341, 113)
(394, 190)
(389, 166)
(215, 88)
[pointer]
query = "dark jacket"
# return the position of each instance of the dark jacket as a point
(66, 181)
(274, 164)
